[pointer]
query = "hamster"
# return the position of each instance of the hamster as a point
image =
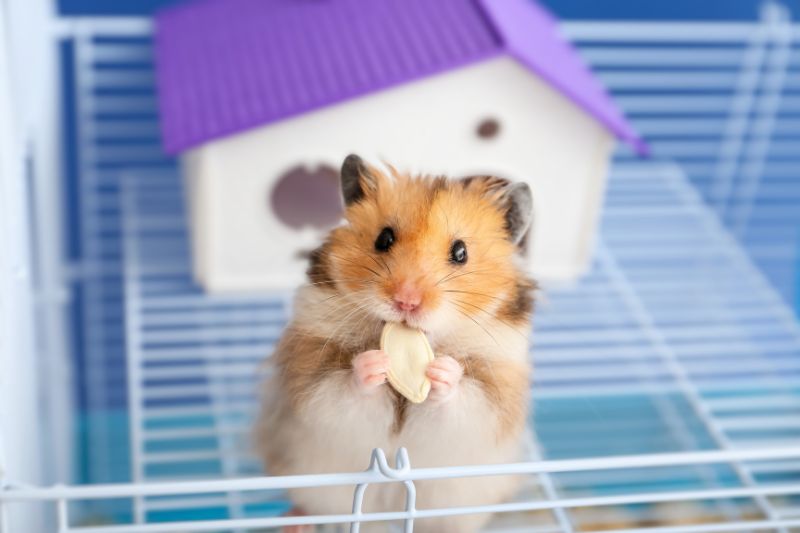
(441, 255)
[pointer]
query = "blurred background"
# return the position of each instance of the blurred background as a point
(115, 366)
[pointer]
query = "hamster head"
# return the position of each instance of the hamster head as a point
(430, 252)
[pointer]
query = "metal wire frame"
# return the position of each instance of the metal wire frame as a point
(380, 472)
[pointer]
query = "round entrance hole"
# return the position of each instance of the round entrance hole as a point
(305, 197)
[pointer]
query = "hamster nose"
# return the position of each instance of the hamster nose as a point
(407, 298)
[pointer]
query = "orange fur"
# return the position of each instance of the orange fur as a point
(428, 214)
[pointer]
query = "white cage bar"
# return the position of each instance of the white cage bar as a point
(380, 472)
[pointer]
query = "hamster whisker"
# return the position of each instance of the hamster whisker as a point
(445, 277)
(335, 281)
(462, 310)
(336, 306)
(356, 264)
(335, 295)
(479, 308)
(450, 277)
(486, 360)
(330, 337)
(360, 307)
(363, 309)
(468, 360)
(493, 316)
(342, 304)
(386, 266)
(474, 293)
(340, 294)
(339, 302)
(383, 265)
(360, 325)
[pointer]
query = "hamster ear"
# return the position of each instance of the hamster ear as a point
(515, 199)
(357, 179)
(519, 210)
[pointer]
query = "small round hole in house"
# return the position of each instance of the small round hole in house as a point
(307, 197)
(489, 128)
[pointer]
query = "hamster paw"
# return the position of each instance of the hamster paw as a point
(369, 370)
(445, 374)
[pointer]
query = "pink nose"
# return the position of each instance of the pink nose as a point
(407, 298)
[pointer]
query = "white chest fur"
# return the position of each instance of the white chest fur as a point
(338, 427)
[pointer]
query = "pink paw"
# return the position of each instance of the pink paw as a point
(369, 370)
(445, 374)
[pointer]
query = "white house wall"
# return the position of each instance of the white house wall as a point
(428, 126)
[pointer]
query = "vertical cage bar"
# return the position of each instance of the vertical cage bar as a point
(95, 377)
(132, 343)
(358, 502)
(738, 120)
(560, 513)
(411, 506)
(62, 510)
(778, 20)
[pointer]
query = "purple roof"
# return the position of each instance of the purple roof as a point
(224, 66)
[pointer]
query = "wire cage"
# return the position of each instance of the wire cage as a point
(667, 384)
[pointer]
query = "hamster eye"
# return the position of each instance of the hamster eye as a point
(385, 240)
(458, 252)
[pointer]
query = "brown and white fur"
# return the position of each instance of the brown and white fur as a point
(329, 405)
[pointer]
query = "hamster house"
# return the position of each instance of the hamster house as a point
(262, 100)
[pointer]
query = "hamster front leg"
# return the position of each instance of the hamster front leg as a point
(445, 374)
(369, 370)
